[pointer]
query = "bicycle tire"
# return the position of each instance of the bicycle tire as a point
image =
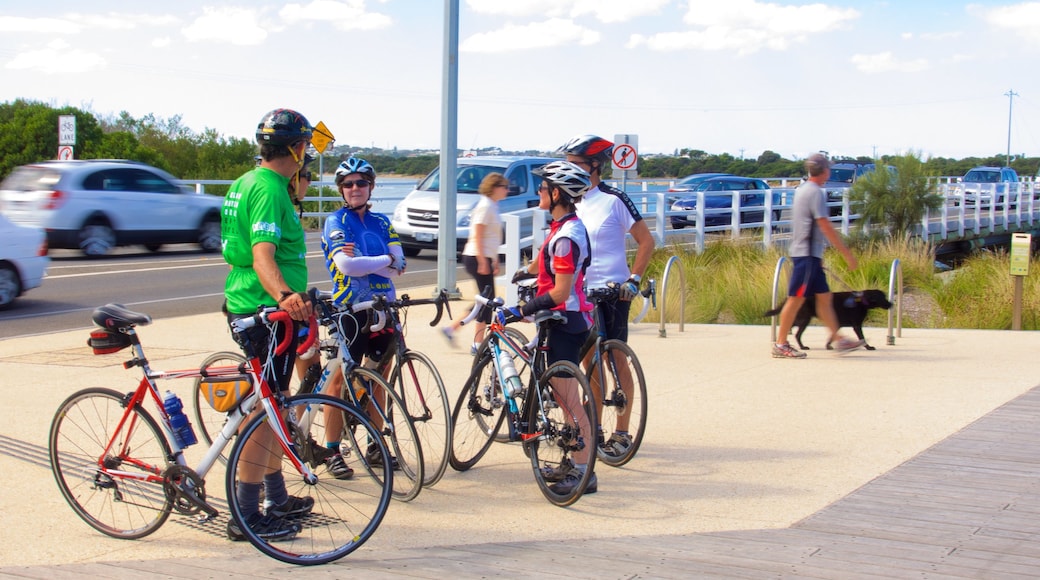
(616, 402)
(119, 507)
(561, 430)
(346, 512)
(426, 400)
(401, 437)
(478, 415)
(209, 420)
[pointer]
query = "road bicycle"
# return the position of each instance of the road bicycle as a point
(553, 417)
(124, 471)
(621, 406)
(367, 389)
(416, 379)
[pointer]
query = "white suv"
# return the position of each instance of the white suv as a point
(416, 218)
(95, 205)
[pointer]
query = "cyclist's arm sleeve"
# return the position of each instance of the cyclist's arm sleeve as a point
(360, 265)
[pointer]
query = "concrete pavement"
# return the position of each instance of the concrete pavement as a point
(736, 440)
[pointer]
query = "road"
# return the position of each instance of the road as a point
(176, 281)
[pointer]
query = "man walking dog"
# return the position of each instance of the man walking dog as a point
(809, 226)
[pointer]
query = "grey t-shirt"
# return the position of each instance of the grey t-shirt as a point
(809, 205)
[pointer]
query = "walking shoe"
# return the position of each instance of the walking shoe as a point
(473, 349)
(449, 335)
(845, 345)
(338, 467)
(571, 481)
(786, 351)
(269, 528)
(554, 474)
(617, 445)
(293, 508)
(375, 458)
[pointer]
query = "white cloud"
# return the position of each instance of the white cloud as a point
(39, 25)
(57, 58)
(552, 32)
(238, 26)
(607, 11)
(161, 42)
(886, 62)
(747, 26)
(1022, 19)
(345, 15)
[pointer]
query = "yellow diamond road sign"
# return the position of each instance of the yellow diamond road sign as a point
(322, 137)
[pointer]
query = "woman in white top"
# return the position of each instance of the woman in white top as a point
(480, 256)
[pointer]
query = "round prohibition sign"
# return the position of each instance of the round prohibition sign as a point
(624, 156)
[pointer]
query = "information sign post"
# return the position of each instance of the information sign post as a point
(1021, 244)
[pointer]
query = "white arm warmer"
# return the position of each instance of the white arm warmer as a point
(360, 265)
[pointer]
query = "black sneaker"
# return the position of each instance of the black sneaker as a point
(375, 458)
(338, 467)
(571, 481)
(268, 528)
(293, 508)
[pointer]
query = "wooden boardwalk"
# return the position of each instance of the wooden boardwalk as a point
(968, 507)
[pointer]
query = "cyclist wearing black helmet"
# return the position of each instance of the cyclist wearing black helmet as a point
(263, 243)
(609, 215)
(560, 265)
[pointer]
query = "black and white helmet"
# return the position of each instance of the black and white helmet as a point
(590, 147)
(571, 179)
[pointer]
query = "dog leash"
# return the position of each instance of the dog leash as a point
(856, 294)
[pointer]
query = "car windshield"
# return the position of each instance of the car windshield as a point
(842, 175)
(974, 176)
(468, 178)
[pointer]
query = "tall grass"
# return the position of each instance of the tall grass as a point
(731, 282)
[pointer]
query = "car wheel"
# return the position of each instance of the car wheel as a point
(96, 239)
(209, 235)
(153, 247)
(10, 285)
(678, 226)
(411, 252)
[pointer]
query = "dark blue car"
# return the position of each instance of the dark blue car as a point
(718, 195)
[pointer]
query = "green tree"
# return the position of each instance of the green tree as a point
(895, 200)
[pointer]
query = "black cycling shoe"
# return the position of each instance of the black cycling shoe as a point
(268, 528)
(375, 458)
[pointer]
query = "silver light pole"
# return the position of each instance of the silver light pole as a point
(446, 260)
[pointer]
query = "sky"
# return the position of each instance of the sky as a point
(853, 78)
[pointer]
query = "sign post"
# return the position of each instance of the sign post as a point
(66, 136)
(1021, 244)
(626, 157)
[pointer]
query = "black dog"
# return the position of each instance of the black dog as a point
(851, 308)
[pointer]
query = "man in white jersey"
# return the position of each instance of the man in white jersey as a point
(609, 216)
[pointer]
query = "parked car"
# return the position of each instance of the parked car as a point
(23, 259)
(688, 184)
(417, 217)
(843, 175)
(718, 194)
(95, 205)
(984, 184)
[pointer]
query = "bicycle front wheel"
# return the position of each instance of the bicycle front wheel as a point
(562, 432)
(110, 470)
(345, 513)
(518, 338)
(209, 420)
(387, 412)
(623, 401)
(477, 416)
(426, 400)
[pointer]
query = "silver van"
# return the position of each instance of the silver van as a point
(417, 217)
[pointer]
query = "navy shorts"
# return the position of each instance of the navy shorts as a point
(807, 278)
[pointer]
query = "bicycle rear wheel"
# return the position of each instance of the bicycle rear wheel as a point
(209, 420)
(623, 403)
(346, 512)
(390, 416)
(477, 416)
(127, 507)
(564, 423)
(426, 400)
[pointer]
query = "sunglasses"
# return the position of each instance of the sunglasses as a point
(306, 176)
(361, 183)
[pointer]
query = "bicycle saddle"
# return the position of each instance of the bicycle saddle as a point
(117, 316)
(554, 316)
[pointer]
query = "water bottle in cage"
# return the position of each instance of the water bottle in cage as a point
(179, 423)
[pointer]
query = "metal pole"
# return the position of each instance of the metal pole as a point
(1011, 94)
(446, 260)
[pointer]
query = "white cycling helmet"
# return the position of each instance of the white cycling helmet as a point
(571, 179)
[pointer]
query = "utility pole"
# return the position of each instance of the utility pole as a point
(1011, 94)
